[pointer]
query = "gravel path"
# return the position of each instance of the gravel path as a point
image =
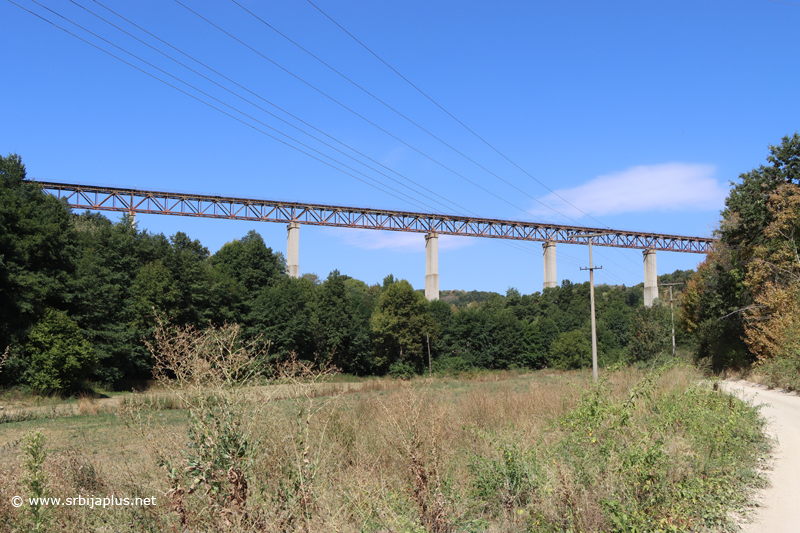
(780, 502)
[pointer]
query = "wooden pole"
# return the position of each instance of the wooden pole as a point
(591, 270)
(430, 370)
(594, 327)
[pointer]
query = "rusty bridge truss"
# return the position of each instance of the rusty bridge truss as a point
(196, 205)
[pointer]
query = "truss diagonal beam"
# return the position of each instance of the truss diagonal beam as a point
(196, 205)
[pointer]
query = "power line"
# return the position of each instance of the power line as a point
(519, 247)
(261, 98)
(465, 156)
(355, 112)
(295, 117)
(423, 93)
(484, 141)
(191, 95)
(413, 202)
(352, 82)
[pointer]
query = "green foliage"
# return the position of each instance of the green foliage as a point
(781, 372)
(535, 342)
(103, 305)
(36, 257)
(652, 461)
(250, 263)
(572, 349)
(342, 326)
(652, 333)
(60, 357)
(111, 278)
(401, 370)
(399, 325)
(153, 288)
(718, 295)
(35, 478)
(506, 481)
(284, 314)
(463, 299)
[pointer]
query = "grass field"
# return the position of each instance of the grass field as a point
(543, 451)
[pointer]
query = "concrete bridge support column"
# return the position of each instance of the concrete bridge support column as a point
(293, 250)
(432, 266)
(650, 277)
(550, 279)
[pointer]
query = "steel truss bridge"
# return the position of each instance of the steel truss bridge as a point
(135, 201)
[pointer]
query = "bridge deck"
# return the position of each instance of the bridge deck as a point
(196, 205)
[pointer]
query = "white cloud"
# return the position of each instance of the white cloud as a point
(665, 187)
(394, 240)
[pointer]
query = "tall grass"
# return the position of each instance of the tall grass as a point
(640, 451)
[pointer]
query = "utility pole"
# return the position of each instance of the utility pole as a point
(430, 368)
(672, 312)
(591, 270)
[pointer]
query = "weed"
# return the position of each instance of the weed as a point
(87, 405)
(416, 436)
(547, 451)
(7, 417)
(35, 479)
(206, 371)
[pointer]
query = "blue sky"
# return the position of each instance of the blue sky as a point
(639, 114)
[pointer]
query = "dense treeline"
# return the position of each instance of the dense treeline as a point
(742, 305)
(78, 295)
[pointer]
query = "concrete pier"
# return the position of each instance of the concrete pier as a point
(432, 266)
(650, 277)
(550, 279)
(293, 250)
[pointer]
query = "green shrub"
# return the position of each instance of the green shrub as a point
(781, 372)
(651, 333)
(451, 365)
(401, 370)
(571, 350)
(60, 358)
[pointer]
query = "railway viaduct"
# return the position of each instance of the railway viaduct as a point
(294, 214)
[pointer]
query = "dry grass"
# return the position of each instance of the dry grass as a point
(505, 452)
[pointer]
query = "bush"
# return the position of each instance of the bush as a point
(781, 372)
(652, 334)
(571, 350)
(60, 358)
(451, 365)
(401, 370)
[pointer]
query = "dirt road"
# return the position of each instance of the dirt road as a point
(780, 502)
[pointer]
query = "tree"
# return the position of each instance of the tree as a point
(442, 337)
(718, 303)
(204, 293)
(342, 326)
(107, 261)
(283, 315)
(153, 290)
(773, 278)
(399, 325)
(250, 263)
(534, 353)
(36, 257)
